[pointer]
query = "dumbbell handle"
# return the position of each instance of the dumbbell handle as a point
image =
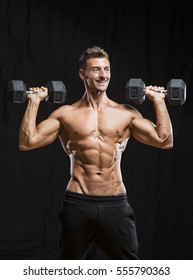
(31, 92)
(162, 91)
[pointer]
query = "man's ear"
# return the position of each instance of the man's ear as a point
(83, 75)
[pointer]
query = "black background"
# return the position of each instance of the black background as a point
(41, 41)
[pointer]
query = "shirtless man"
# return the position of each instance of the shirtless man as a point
(94, 132)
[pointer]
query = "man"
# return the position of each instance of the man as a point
(94, 132)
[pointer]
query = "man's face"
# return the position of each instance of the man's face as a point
(97, 74)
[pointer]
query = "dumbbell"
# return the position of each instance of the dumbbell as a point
(17, 92)
(176, 92)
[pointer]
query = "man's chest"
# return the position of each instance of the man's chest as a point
(109, 123)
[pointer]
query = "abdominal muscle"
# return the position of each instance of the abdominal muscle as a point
(96, 171)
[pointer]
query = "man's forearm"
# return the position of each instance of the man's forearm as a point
(163, 122)
(28, 124)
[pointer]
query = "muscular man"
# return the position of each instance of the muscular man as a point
(94, 132)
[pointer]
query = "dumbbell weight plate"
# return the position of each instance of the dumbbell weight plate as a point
(56, 92)
(135, 91)
(176, 92)
(16, 91)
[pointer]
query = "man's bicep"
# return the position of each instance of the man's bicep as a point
(47, 129)
(145, 132)
(44, 134)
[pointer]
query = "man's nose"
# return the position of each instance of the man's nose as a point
(102, 73)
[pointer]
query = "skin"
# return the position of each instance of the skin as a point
(94, 131)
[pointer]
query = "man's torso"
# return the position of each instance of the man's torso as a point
(94, 141)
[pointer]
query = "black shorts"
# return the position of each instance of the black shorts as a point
(108, 220)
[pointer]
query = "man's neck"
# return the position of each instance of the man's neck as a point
(97, 101)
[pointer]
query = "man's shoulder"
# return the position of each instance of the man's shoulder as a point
(62, 111)
(129, 110)
(123, 106)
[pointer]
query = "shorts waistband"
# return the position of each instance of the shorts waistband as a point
(69, 195)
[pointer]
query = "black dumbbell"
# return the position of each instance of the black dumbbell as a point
(176, 91)
(17, 92)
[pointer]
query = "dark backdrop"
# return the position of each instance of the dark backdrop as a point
(41, 41)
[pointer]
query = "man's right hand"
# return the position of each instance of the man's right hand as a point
(38, 92)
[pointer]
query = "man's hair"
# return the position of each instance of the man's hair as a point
(94, 52)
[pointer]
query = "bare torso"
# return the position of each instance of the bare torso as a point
(94, 141)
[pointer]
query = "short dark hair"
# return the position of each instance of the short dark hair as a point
(94, 52)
